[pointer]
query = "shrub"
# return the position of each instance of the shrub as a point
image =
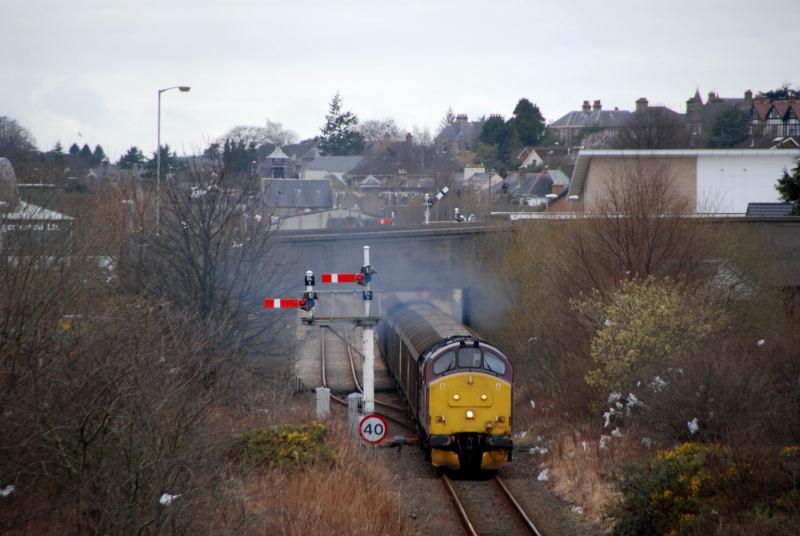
(643, 322)
(710, 489)
(284, 445)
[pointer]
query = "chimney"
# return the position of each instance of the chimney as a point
(641, 104)
(748, 98)
(462, 120)
(597, 106)
(409, 138)
(586, 107)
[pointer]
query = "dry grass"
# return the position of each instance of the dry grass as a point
(355, 495)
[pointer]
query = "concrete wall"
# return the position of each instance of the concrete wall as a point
(729, 183)
(681, 169)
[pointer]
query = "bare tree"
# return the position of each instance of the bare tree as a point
(653, 128)
(379, 130)
(213, 257)
(272, 132)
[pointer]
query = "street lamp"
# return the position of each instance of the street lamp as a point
(183, 89)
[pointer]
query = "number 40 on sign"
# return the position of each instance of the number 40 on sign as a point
(372, 429)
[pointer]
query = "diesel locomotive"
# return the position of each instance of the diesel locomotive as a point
(457, 385)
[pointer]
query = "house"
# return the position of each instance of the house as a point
(778, 118)
(713, 180)
(322, 166)
(700, 116)
(286, 197)
(570, 128)
(459, 137)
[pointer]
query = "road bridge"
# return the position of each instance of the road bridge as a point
(444, 256)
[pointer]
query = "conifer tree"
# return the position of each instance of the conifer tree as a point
(74, 150)
(98, 156)
(86, 154)
(133, 158)
(789, 187)
(339, 134)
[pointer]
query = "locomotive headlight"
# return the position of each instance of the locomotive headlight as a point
(484, 397)
(439, 418)
(470, 414)
(456, 396)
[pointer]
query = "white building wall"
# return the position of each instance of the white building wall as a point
(727, 183)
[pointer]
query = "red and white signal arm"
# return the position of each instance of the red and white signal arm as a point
(372, 428)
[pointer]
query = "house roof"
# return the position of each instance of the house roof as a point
(334, 164)
(29, 212)
(460, 132)
(769, 209)
(595, 118)
(278, 153)
(771, 142)
(370, 181)
(298, 193)
(762, 107)
(558, 177)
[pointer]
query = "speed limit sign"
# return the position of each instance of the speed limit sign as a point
(372, 428)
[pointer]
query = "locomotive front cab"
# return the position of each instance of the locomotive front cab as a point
(468, 392)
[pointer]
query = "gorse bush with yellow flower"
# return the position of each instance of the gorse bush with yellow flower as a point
(284, 445)
(710, 489)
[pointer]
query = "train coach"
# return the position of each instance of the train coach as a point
(457, 385)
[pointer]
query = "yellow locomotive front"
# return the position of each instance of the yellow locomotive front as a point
(466, 393)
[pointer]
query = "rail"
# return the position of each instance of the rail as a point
(469, 521)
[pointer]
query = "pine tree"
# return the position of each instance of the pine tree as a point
(58, 149)
(98, 156)
(133, 158)
(86, 154)
(730, 128)
(74, 150)
(339, 135)
(528, 122)
(789, 187)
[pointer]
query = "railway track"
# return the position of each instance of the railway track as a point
(401, 420)
(487, 507)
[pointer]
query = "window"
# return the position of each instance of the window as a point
(466, 146)
(445, 363)
(774, 122)
(494, 363)
(469, 357)
(444, 147)
(792, 124)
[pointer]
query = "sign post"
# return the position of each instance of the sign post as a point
(372, 428)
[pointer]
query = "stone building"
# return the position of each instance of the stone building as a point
(461, 136)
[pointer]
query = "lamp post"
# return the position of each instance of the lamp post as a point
(183, 89)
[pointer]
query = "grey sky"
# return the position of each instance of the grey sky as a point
(93, 66)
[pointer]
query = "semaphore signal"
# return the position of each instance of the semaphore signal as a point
(342, 278)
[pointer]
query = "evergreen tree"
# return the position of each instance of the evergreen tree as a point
(86, 154)
(57, 150)
(731, 127)
(74, 150)
(98, 156)
(789, 187)
(169, 162)
(133, 158)
(339, 134)
(528, 122)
